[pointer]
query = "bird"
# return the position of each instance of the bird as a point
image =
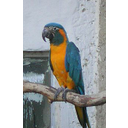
(65, 63)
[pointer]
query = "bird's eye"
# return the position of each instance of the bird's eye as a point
(54, 28)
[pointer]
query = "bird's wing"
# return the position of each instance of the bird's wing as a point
(73, 66)
(49, 59)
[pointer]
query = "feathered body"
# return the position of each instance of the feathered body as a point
(66, 65)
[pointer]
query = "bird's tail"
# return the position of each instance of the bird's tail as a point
(82, 116)
(82, 111)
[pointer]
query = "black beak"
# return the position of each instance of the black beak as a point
(47, 33)
(44, 34)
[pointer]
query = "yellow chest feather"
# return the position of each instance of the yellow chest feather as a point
(58, 63)
(58, 58)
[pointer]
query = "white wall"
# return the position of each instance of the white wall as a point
(80, 18)
(37, 13)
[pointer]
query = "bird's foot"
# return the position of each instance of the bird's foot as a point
(65, 93)
(59, 90)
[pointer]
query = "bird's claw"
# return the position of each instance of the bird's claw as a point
(65, 94)
(65, 90)
(59, 90)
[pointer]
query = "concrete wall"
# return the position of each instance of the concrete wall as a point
(84, 21)
(101, 110)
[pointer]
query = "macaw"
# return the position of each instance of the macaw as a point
(66, 65)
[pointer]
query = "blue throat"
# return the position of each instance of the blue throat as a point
(58, 39)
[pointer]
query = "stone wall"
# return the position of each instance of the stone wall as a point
(101, 110)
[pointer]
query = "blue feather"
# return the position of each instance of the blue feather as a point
(54, 25)
(73, 66)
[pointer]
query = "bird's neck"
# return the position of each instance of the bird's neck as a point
(59, 38)
(57, 49)
(59, 42)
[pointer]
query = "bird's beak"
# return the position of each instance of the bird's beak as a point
(47, 34)
(44, 34)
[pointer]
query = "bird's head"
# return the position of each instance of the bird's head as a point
(55, 33)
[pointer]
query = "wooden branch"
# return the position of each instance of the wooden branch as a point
(73, 98)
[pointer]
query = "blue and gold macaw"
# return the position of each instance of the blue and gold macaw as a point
(66, 65)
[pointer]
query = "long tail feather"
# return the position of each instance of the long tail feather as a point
(86, 117)
(82, 116)
(82, 111)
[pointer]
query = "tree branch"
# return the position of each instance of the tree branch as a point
(73, 98)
